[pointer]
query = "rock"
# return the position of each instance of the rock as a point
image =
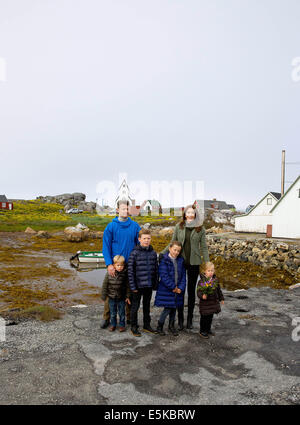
(76, 235)
(167, 231)
(43, 234)
(297, 285)
(283, 246)
(80, 226)
(30, 231)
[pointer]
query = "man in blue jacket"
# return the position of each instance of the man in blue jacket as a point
(119, 238)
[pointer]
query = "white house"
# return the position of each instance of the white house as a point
(257, 218)
(286, 213)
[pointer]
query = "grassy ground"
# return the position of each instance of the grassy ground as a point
(51, 217)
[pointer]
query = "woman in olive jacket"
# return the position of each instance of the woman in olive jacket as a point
(191, 233)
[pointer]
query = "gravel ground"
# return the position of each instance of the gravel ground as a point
(254, 358)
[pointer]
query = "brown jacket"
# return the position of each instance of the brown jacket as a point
(116, 287)
(212, 303)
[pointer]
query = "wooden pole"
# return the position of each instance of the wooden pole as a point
(282, 172)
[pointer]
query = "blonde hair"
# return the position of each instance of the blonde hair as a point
(204, 266)
(119, 259)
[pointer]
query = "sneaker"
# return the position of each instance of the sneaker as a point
(135, 332)
(203, 335)
(112, 329)
(122, 329)
(104, 323)
(149, 329)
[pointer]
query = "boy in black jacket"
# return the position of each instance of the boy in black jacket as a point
(117, 290)
(143, 277)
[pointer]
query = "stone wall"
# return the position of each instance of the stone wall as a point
(262, 252)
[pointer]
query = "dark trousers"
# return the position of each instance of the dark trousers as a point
(205, 322)
(192, 276)
(115, 306)
(171, 312)
(146, 293)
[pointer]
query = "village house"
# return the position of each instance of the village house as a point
(151, 206)
(214, 204)
(5, 204)
(286, 214)
(258, 217)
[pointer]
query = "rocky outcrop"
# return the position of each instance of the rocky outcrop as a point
(262, 252)
(78, 233)
(70, 198)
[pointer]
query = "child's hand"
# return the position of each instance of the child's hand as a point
(222, 302)
(178, 291)
(174, 290)
(204, 296)
(128, 301)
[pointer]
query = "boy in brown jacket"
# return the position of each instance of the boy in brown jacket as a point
(116, 288)
(210, 294)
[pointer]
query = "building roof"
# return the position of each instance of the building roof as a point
(222, 205)
(276, 194)
(3, 198)
(248, 212)
(285, 193)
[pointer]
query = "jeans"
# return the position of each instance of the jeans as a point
(205, 322)
(146, 293)
(117, 305)
(171, 312)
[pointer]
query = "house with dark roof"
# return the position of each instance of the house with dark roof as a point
(217, 205)
(259, 216)
(5, 204)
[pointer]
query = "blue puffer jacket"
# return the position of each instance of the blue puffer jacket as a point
(142, 268)
(164, 295)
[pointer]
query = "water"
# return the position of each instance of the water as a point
(92, 273)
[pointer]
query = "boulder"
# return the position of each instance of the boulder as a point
(43, 234)
(167, 231)
(76, 235)
(30, 231)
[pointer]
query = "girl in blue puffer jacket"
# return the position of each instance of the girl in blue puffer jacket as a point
(170, 292)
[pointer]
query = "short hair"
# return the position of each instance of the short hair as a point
(122, 201)
(204, 266)
(177, 243)
(119, 259)
(144, 232)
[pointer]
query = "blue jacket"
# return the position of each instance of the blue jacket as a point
(119, 238)
(143, 268)
(164, 295)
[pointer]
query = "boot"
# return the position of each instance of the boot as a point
(180, 318)
(189, 323)
(172, 329)
(159, 329)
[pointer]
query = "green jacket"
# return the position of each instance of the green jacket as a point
(199, 251)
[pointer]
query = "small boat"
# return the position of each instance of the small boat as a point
(89, 257)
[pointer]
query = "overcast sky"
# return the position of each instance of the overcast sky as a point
(198, 90)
